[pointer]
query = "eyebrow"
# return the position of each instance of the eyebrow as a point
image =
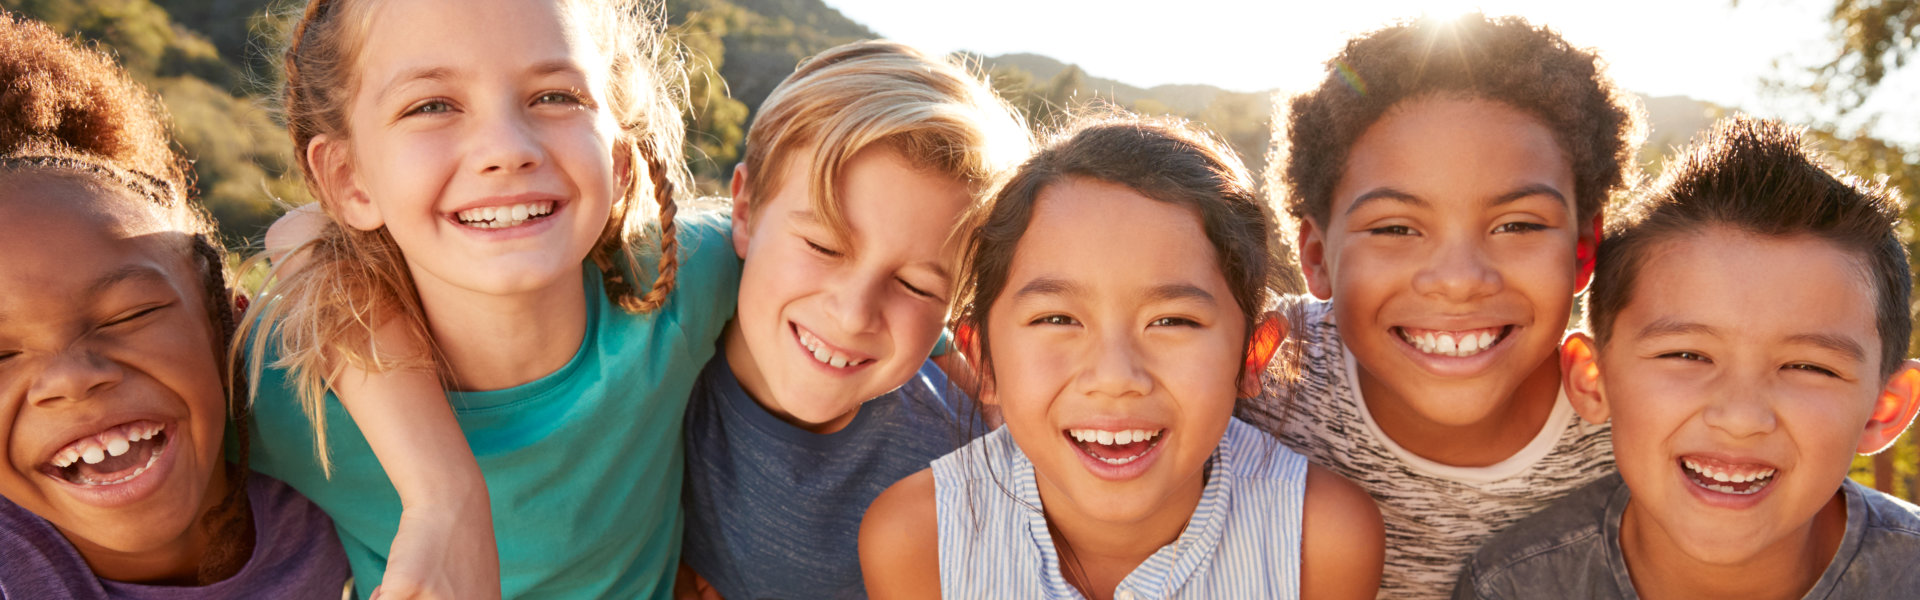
(1403, 197)
(111, 279)
(542, 68)
(1670, 327)
(1048, 286)
(1840, 344)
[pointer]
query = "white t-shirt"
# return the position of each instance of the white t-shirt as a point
(1436, 515)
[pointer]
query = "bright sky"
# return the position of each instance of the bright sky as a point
(1711, 50)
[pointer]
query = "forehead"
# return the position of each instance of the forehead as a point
(455, 38)
(1757, 287)
(1442, 148)
(1109, 234)
(59, 232)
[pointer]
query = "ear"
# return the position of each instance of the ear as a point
(967, 339)
(1260, 350)
(1580, 377)
(742, 211)
(1893, 411)
(1313, 260)
(623, 174)
(1584, 252)
(331, 161)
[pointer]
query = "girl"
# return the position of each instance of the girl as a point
(1116, 286)
(486, 168)
(113, 402)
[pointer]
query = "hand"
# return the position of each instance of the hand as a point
(689, 585)
(439, 553)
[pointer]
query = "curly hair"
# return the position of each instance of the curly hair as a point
(69, 112)
(1506, 60)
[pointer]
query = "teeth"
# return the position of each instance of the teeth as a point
(93, 455)
(117, 446)
(1710, 473)
(1451, 343)
(112, 442)
(824, 354)
(1112, 438)
(500, 217)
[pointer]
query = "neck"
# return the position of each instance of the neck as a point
(493, 342)
(175, 562)
(1104, 552)
(1785, 570)
(746, 370)
(1505, 430)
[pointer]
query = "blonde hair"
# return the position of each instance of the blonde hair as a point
(857, 95)
(324, 312)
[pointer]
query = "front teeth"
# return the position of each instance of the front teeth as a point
(500, 217)
(112, 442)
(1112, 438)
(1451, 343)
(1709, 472)
(824, 354)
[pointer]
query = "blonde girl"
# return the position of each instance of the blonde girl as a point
(490, 171)
(1116, 286)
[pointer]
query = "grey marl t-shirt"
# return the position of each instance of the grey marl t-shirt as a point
(1436, 515)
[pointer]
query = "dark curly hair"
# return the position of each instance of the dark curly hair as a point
(1506, 60)
(1764, 178)
(69, 112)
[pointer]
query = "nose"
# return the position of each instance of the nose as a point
(1459, 271)
(854, 302)
(506, 143)
(1740, 411)
(1118, 368)
(73, 375)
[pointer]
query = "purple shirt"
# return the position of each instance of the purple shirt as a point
(295, 556)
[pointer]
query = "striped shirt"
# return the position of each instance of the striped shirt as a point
(1243, 540)
(1436, 515)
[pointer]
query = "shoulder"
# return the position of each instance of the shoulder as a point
(297, 543)
(1573, 525)
(38, 561)
(899, 549)
(1885, 512)
(1341, 539)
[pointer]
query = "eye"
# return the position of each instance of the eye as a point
(1520, 227)
(1174, 322)
(133, 315)
(558, 97)
(916, 290)
(1685, 355)
(823, 250)
(428, 107)
(1816, 369)
(1054, 320)
(1392, 230)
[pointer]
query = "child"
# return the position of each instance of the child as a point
(114, 313)
(486, 168)
(1446, 182)
(1748, 324)
(857, 169)
(1116, 285)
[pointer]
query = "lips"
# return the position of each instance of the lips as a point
(1734, 477)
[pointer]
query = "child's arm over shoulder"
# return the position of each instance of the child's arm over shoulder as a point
(1342, 542)
(900, 541)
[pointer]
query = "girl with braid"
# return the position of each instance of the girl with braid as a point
(114, 398)
(489, 172)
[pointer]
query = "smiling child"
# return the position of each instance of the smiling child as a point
(1746, 337)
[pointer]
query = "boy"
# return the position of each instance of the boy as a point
(1445, 182)
(1748, 328)
(857, 170)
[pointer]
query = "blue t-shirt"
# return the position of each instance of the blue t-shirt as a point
(583, 466)
(773, 510)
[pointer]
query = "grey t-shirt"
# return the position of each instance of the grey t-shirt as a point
(295, 556)
(1571, 550)
(773, 510)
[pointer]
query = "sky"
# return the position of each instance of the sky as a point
(1713, 50)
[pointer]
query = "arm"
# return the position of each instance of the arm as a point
(899, 541)
(445, 546)
(1342, 543)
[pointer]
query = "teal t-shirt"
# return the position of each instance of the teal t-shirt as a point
(583, 466)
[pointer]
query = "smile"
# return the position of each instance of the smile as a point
(111, 457)
(825, 353)
(502, 217)
(1115, 447)
(1728, 478)
(1458, 344)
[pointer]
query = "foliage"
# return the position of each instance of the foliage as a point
(1873, 38)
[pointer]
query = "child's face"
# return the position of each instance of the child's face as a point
(1449, 256)
(1740, 356)
(481, 139)
(1115, 322)
(824, 323)
(104, 338)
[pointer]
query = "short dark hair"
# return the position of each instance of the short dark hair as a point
(1506, 60)
(1160, 158)
(1760, 177)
